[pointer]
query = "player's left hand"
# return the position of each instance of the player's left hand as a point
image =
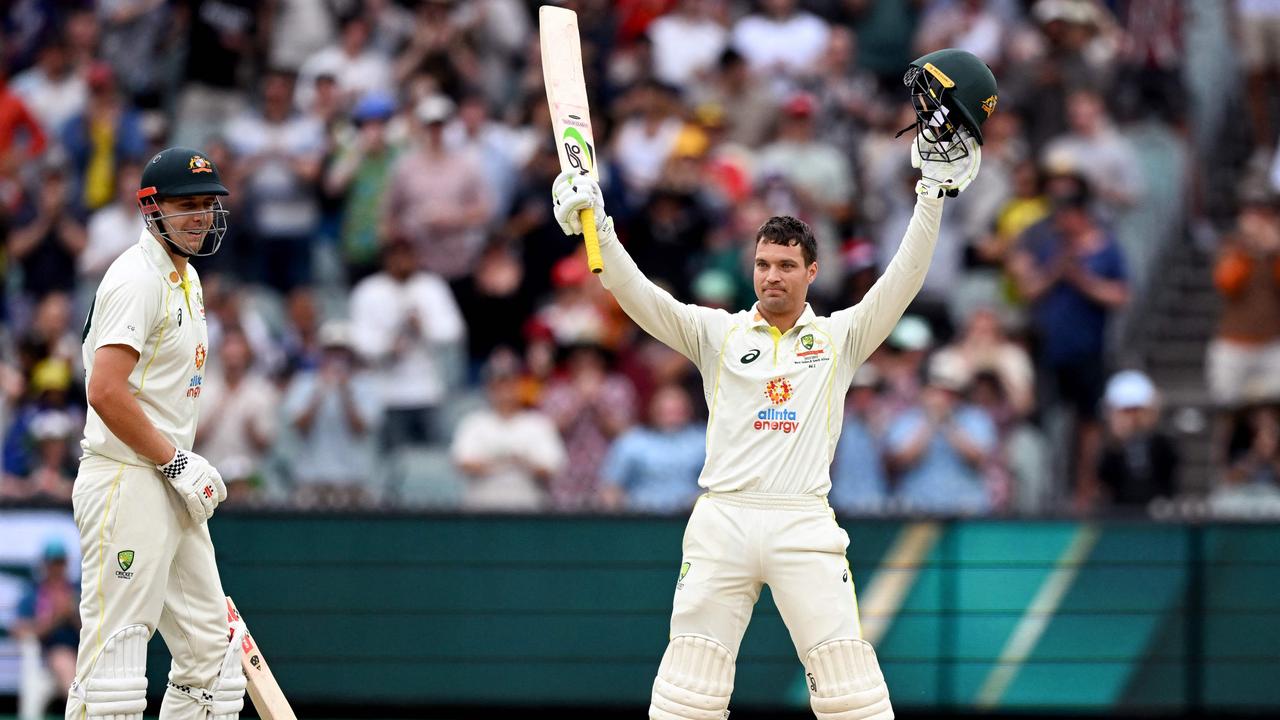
(572, 193)
(937, 177)
(198, 482)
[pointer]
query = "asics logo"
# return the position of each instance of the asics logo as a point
(749, 357)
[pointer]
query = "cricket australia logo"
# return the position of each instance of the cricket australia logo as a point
(124, 559)
(810, 350)
(684, 570)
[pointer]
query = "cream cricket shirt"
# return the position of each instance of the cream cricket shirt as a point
(775, 400)
(142, 303)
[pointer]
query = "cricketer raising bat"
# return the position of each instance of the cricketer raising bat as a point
(567, 100)
(267, 697)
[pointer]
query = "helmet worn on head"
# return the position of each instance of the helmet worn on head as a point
(182, 172)
(950, 89)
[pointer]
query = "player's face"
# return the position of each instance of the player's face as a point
(189, 219)
(781, 277)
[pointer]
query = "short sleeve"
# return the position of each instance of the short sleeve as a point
(124, 314)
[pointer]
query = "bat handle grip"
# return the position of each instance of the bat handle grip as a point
(594, 261)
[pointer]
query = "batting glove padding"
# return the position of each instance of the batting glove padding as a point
(938, 178)
(572, 193)
(196, 481)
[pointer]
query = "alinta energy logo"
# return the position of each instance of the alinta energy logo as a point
(779, 391)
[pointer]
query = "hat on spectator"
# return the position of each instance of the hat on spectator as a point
(374, 106)
(336, 334)
(948, 372)
(569, 271)
(54, 550)
(100, 75)
(434, 109)
(51, 425)
(800, 104)
(911, 333)
(1130, 389)
(51, 375)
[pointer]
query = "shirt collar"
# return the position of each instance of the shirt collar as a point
(159, 259)
(758, 321)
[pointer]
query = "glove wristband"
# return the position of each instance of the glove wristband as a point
(174, 467)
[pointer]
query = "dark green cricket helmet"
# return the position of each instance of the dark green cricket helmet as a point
(950, 89)
(183, 172)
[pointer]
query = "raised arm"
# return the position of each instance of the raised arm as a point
(679, 325)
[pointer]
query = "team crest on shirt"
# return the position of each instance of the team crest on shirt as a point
(124, 559)
(200, 355)
(199, 165)
(811, 349)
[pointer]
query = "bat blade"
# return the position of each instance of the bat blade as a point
(567, 101)
(264, 691)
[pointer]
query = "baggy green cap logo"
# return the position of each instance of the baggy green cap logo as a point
(807, 341)
(125, 558)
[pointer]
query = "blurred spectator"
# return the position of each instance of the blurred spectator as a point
(238, 409)
(859, 482)
(502, 151)
(47, 236)
(52, 466)
(688, 40)
(358, 68)
(486, 299)
(590, 406)
(220, 39)
(938, 448)
(817, 170)
(1256, 28)
(437, 197)
(52, 89)
(361, 175)
(297, 30)
(135, 36)
(1019, 471)
(1026, 206)
(1151, 53)
(1071, 272)
(48, 613)
(508, 452)
(21, 137)
(655, 468)
(1251, 484)
(280, 155)
(780, 39)
(405, 323)
(101, 138)
(48, 390)
(902, 362)
(1139, 463)
(746, 104)
(113, 228)
(335, 411)
(646, 138)
(982, 345)
(969, 25)
(1243, 360)
(301, 340)
(1094, 148)
(575, 313)
(666, 235)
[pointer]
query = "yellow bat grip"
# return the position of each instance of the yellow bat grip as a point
(594, 261)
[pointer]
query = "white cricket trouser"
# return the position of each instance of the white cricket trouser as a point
(736, 542)
(145, 561)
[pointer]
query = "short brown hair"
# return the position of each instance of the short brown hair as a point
(786, 230)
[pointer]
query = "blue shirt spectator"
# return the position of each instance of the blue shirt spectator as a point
(940, 446)
(858, 479)
(656, 468)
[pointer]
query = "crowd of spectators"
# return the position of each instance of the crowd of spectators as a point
(394, 305)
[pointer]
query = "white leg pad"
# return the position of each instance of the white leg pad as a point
(228, 694)
(845, 682)
(116, 685)
(695, 680)
(225, 699)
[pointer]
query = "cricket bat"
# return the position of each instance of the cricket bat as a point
(567, 100)
(267, 698)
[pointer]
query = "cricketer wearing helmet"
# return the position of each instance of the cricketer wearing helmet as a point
(141, 497)
(774, 380)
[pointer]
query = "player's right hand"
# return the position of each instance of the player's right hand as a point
(572, 193)
(197, 483)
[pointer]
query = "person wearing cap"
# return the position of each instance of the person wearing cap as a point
(938, 448)
(437, 198)
(142, 498)
(47, 614)
(775, 378)
(360, 175)
(1139, 463)
(335, 412)
(98, 139)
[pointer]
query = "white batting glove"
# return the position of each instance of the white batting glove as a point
(938, 178)
(196, 481)
(572, 193)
